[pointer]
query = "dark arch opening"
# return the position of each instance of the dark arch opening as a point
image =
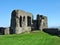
(20, 21)
(28, 21)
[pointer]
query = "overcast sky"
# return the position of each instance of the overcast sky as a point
(49, 8)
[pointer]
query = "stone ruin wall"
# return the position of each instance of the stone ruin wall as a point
(22, 21)
(40, 22)
(4, 30)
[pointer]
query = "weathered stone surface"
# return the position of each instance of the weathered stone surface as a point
(40, 23)
(20, 21)
(4, 30)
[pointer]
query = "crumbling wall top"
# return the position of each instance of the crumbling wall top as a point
(21, 12)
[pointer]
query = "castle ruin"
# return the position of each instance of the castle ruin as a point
(22, 21)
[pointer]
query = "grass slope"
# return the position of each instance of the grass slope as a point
(33, 38)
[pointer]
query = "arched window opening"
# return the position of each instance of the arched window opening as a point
(28, 21)
(20, 21)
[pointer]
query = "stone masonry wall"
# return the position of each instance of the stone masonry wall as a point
(20, 21)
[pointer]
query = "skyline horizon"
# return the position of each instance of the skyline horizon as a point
(34, 17)
(49, 8)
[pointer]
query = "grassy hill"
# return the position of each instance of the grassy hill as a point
(33, 38)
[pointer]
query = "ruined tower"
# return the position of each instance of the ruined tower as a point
(20, 21)
(41, 22)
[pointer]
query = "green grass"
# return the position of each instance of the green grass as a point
(33, 38)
